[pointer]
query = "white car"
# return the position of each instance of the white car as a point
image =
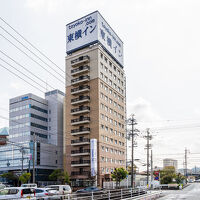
(45, 193)
(29, 185)
(2, 186)
(61, 189)
(17, 193)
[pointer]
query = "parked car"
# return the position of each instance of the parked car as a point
(2, 186)
(61, 189)
(17, 192)
(44, 193)
(90, 189)
(29, 185)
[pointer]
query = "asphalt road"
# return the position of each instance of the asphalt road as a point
(192, 192)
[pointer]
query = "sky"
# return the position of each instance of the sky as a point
(161, 61)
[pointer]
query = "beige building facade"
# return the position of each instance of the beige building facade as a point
(94, 109)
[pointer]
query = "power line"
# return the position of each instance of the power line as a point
(25, 68)
(32, 59)
(20, 77)
(21, 72)
(31, 52)
(30, 44)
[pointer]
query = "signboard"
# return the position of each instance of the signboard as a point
(157, 175)
(92, 29)
(93, 156)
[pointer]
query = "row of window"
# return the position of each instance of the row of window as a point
(28, 124)
(111, 65)
(106, 170)
(111, 150)
(39, 126)
(28, 106)
(111, 92)
(27, 133)
(19, 108)
(19, 125)
(19, 117)
(111, 111)
(39, 109)
(111, 140)
(21, 134)
(110, 82)
(39, 117)
(119, 81)
(103, 96)
(117, 133)
(111, 160)
(28, 115)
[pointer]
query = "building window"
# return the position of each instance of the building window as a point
(106, 59)
(49, 111)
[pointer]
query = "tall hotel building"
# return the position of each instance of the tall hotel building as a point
(94, 116)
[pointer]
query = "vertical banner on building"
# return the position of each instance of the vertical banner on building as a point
(93, 156)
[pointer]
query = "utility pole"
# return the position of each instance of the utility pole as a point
(151, 167)
(133, 122)
(186, 151)
(34, 139)
(148, 146)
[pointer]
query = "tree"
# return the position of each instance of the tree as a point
(11, 176)
(67, 179)
(118, 175)
(167, 175)
(59, 175)
(180, 178)
(25, 177)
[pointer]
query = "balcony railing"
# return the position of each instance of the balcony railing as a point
(80, 131)
(81, 120)
(83, 140)
(80, 60)
(80, 89)
(80, 79)
(77, 162)
(80, 110)
(80, 151)
(80, 70)
(80, 99)
(86, 173)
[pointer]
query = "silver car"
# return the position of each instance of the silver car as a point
(17, 193)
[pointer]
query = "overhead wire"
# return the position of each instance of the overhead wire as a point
(30, 44)
(32, 58)
(32, 52)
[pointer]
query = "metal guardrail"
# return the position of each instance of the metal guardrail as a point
(126, 194)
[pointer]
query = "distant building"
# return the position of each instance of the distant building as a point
(32, 118)
(167, 162)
